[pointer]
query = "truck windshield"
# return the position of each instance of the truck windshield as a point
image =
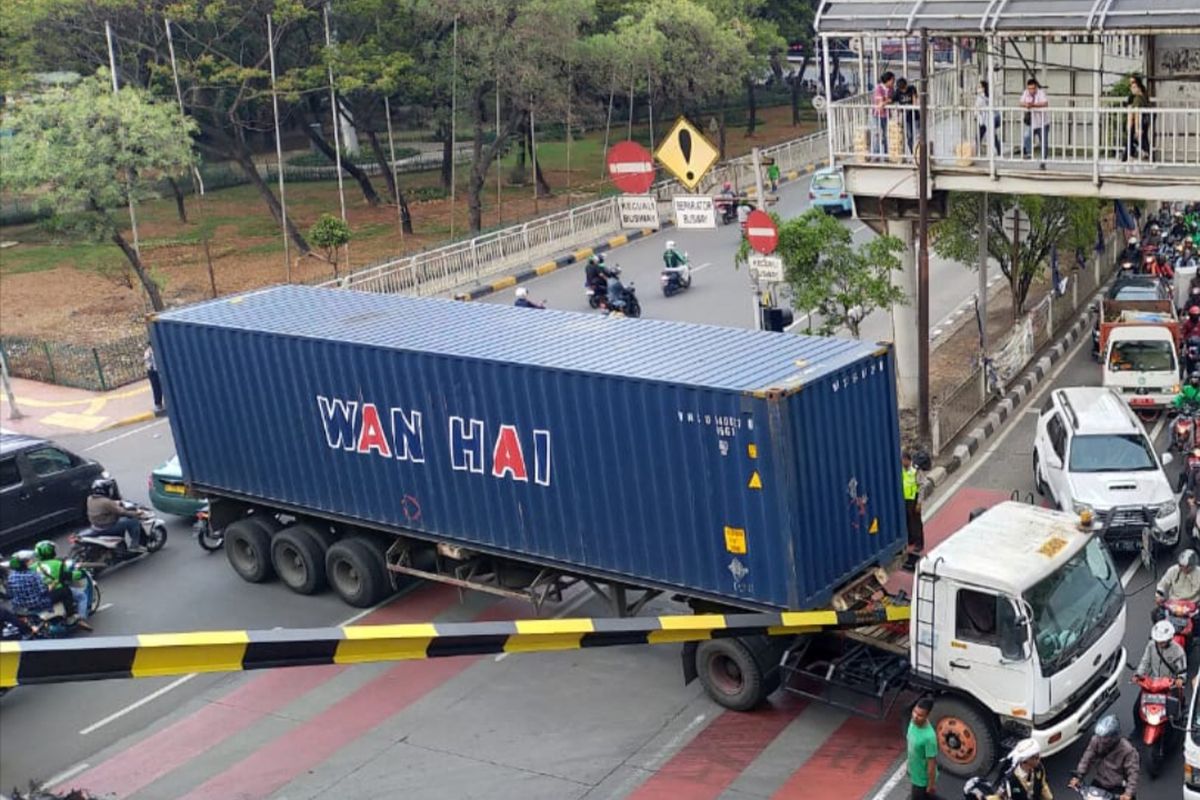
(1111, 452)
(1142, 356)
(1072, 607)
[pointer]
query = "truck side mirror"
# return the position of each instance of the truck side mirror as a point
(1014, 632)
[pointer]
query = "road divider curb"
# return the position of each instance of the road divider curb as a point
(133, 419)
(157, 655)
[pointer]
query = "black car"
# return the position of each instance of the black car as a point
(1131, 287)
(42, 486)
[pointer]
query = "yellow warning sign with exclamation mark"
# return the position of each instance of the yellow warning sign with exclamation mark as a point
(686, 153)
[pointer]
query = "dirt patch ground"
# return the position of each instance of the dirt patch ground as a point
(59, 288)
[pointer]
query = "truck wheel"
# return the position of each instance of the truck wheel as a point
(967, 742)
(248, 548)
(357, 572)
(299, 559)
(730, 674)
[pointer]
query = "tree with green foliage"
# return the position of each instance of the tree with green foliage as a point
(331, 234)
(829, 277)
(794, 21)
(1068, 223)
(86, 153)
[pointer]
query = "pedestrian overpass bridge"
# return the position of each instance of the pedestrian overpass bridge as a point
(1081, 51)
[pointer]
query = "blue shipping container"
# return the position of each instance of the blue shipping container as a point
(753, 468)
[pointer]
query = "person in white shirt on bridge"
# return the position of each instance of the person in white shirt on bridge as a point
(1037, 119)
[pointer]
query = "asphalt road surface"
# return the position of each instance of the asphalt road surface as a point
(721, 294)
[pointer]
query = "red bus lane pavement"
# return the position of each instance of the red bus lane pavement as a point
(163, 751)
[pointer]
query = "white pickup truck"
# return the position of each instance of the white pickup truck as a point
(1141, 362)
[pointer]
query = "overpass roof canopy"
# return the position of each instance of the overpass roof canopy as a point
(967, 17)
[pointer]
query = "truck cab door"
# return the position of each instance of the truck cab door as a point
(989, 654)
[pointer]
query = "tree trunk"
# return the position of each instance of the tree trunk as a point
(516, 176)
(542, 185)
(447, 156)
(135, 261)
(751, 100)
(349, 167)
(389, 176)
(212, 273)
(478, 166)
(721, 128)
(241, 156)
(180, 208)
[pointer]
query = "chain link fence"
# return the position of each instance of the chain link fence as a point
(97, 368)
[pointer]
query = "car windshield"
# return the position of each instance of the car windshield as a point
(1142, 356)
(1137, 291)
(1111, 452)
(831, 183)
(1072, 607)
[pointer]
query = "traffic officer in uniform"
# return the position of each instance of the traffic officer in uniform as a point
(912, 503)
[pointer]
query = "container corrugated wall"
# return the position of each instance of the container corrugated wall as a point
(759, 498)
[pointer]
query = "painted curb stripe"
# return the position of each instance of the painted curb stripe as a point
(156, 655)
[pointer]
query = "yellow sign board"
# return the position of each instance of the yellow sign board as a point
(735, 540)
(686, 153)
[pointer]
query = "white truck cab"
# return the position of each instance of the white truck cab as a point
(1017, 624)
(1141, 363)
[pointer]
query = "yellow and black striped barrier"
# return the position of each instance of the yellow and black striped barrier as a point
(159, 654)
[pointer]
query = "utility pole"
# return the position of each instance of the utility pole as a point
(756, 156)
(923, 247)
(13, 411)
(983, 271)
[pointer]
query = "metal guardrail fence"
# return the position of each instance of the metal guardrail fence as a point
(451, 266)
(97, 368)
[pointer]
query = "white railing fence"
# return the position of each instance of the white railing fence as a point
(456, 265)
(1108, 138)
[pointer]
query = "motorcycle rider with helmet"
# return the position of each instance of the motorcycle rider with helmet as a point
(1026, 780)
(1181, 581)
(676, 263)
(596, 274)
(58, 575)
(109, 518)
(523, 300)
(1114, 758)
(25, 588)
(1163, 657)
(1191, 325)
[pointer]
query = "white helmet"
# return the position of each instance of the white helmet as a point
(670, 244)
(1162, 632)
(522, 292)
(1025, 750)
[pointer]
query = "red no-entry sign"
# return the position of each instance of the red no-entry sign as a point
(761, 232)
(631, 167)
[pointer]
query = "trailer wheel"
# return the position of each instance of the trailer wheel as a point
(730, 674)
(357, 572)
(299, 559)
(967, 741)
(248, 548)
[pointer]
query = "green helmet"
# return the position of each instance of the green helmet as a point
(45, 549)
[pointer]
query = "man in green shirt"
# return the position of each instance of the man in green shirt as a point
(922, 751)
(773, 176)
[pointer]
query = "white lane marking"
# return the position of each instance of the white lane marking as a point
(103, 606)
(705, 265)
(134, 706)
(859, 227)
(891, 783)
(65, 776)
(1130, 571)
(672, 744)
(121, 712)
(121, 436)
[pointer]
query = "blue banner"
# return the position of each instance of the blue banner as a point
(1124, 221)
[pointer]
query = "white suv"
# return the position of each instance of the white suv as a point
(1092, 453)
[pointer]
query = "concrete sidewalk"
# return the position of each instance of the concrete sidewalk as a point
(49, 411)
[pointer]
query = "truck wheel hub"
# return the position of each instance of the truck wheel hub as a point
(957, 740)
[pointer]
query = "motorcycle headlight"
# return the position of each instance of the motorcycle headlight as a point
(1165, 508)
